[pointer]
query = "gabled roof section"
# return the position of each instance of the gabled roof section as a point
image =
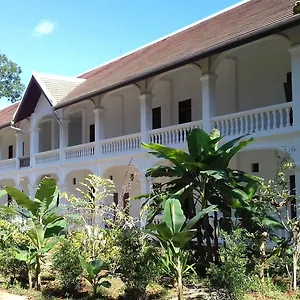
(7, 114)
(54, 87)
(241, 24)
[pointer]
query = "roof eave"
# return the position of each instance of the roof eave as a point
(233, 43)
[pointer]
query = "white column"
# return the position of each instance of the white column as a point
(34, 145)
(32, 191)
(84, 126)
(19, 147)
(63, 188)
(145, 185)
(53, 134)
(63, 138)
(295, 61)
(1, 148)
(208, 100)
(146, 115)
(99, 128)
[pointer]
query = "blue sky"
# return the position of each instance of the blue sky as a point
(67, 37)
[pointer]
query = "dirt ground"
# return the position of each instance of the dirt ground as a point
(6, 296)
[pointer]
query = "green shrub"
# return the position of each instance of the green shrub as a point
(231, 274)
(66, 263)
(137, 262)
(11, 239)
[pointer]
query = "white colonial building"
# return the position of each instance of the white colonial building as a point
(238, 71)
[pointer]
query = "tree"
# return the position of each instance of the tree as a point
(10, 81)
(43, 223)
(174, 233)
(202, 177)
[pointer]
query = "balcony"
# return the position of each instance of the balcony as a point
(267, 121)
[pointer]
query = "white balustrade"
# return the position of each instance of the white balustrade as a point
(47, 157)
(24, 162)
(78, 151)
(173, 135)
(256, 120)
(8, 164)
(125, 143)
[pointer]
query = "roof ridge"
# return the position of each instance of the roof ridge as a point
(165, 37)
(59, 77)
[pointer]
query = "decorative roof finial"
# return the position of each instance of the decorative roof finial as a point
(296, 8)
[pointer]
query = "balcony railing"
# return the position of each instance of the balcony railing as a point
(8, 164)
(125, 143)
(24, 162)
(78, 151)
(256, 120)
(50, 156)
(173, 135)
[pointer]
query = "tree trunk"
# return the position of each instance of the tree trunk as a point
(29, 279)
(216, 236)
(262, 252)
(295, 262)
(207, 238)
(38, 273)
(179, 280)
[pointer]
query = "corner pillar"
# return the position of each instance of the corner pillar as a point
(146, 116)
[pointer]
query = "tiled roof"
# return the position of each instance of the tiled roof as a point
(7, 114)
(243, 20)
(57, 87)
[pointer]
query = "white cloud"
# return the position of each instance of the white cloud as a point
(43, 28)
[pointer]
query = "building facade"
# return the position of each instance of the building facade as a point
(237, 71)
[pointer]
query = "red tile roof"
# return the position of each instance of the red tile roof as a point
(7, 113)
(241, 21)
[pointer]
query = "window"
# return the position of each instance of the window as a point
(255, 168)
(156, 117)
(92, 133)
(111, 177)
(288, 89)
(10, 151)
(74, 181)
(126, 203)
(185, 111)
(23, 149)
(293, 193)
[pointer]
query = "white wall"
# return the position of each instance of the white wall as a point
(8, 138)
(122, 113)
(261, 73)
(186, 84)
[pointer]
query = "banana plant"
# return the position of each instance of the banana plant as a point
(28, 256)
(93, 270)
(43, 224)
(174, 233)
(204, 176)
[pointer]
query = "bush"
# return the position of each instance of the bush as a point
(66, 263)
(137, 262)
(231, 274)
(11, 239)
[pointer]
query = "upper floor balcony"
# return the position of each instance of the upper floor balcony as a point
(250, 90)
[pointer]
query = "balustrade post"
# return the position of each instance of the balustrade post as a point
(208, 100)
(146, 116)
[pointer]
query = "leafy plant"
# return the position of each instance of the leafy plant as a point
(42, 222)
(66, 263)
(93, 276)
(89, 208)
(137, 263)
(231, 274)
(202, 177)
(174, 233)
